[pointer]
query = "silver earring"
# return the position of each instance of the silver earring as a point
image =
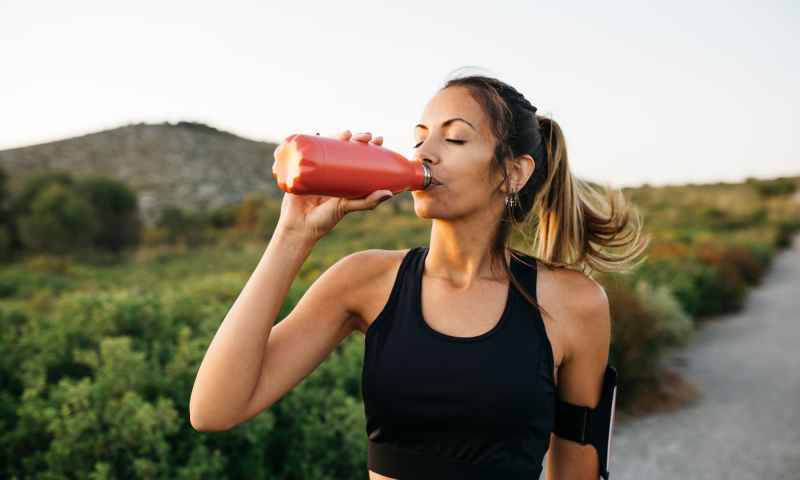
(512, 200)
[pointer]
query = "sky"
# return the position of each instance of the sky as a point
(645, 92)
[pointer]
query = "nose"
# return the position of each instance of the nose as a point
(423, 156)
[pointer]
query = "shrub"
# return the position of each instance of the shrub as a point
(183, 225)
(38, 182)
(116, 206)
(635, 344)
(63, 264)
(675, 326)
(224, 217)
(247, 217)
(268, 216)
(773, 188)
(5, 244)
(59, 221)
(115, 369)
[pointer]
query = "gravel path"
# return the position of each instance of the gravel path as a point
(746, 366)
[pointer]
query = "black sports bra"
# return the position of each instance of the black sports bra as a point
(444, 407)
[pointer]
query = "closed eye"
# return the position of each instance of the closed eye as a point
(459, 142)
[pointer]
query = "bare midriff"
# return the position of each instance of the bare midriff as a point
(377, 476)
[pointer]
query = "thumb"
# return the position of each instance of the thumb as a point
(385, 196)
(379, 197)
(368, 203)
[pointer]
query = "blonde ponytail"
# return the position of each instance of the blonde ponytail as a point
(577, 221)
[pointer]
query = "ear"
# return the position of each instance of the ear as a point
(519, 173)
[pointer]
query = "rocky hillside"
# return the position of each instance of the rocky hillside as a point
(190, 165)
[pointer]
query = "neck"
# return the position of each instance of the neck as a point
(460, 252)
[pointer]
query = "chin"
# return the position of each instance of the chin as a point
(424, 206)
(429, 208)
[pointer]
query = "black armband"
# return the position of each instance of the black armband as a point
(591, 425)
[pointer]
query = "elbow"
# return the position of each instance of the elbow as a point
(202, 421)
(199, 423)
(202, 424)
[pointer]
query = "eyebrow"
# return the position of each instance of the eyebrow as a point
(446, 124)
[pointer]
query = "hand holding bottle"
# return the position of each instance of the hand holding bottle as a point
(312, 216)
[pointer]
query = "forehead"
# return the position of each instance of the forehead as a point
(450, 103)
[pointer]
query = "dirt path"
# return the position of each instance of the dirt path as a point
(746, 425)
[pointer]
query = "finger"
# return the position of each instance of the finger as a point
(377, 141)
(344, 135)
(368, 203)
(362, 137)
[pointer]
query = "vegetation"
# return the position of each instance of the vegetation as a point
(56, 214)
(100, 340)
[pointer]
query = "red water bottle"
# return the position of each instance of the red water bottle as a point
(314, 165)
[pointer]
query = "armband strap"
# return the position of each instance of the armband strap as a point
(591, 425)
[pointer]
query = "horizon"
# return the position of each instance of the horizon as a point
(644, 94)
(591, 180)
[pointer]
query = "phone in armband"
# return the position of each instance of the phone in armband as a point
(592, 426)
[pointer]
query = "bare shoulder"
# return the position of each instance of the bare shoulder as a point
(580, 306)
(577, 291)
(371, 275)
(585, 294)
(583, 331)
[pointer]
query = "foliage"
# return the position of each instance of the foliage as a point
(183, 225)
(268, 216)
(674, 327)
(247, 216)
(774, 187)
(38, 182)
(56, 214)
(116, 207)
(5, 244)
(59, 221)
(98, 359)
(99, 382)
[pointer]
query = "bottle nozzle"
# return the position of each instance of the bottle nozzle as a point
(428, 176)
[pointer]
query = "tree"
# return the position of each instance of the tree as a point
(117, 210)
(59, 221)
(38, 182)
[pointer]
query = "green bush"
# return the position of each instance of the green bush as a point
(645, 320)
(224, 217)
(38, 182)
(116, 206)
(97, 384)
(674, 327)
(184, 226)
(635, 350)
(5, 244)
(268, 216)
(58, 222)
(98, 360)
(774, 187)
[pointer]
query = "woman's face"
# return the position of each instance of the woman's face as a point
(454, 140)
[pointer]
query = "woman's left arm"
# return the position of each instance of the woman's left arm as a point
(580, 378)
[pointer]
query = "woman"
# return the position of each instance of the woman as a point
(461, 369)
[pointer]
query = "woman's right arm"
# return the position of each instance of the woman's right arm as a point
(251, 363)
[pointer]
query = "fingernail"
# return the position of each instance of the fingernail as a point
(385, 197)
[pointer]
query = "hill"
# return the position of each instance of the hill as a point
(189, 165)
